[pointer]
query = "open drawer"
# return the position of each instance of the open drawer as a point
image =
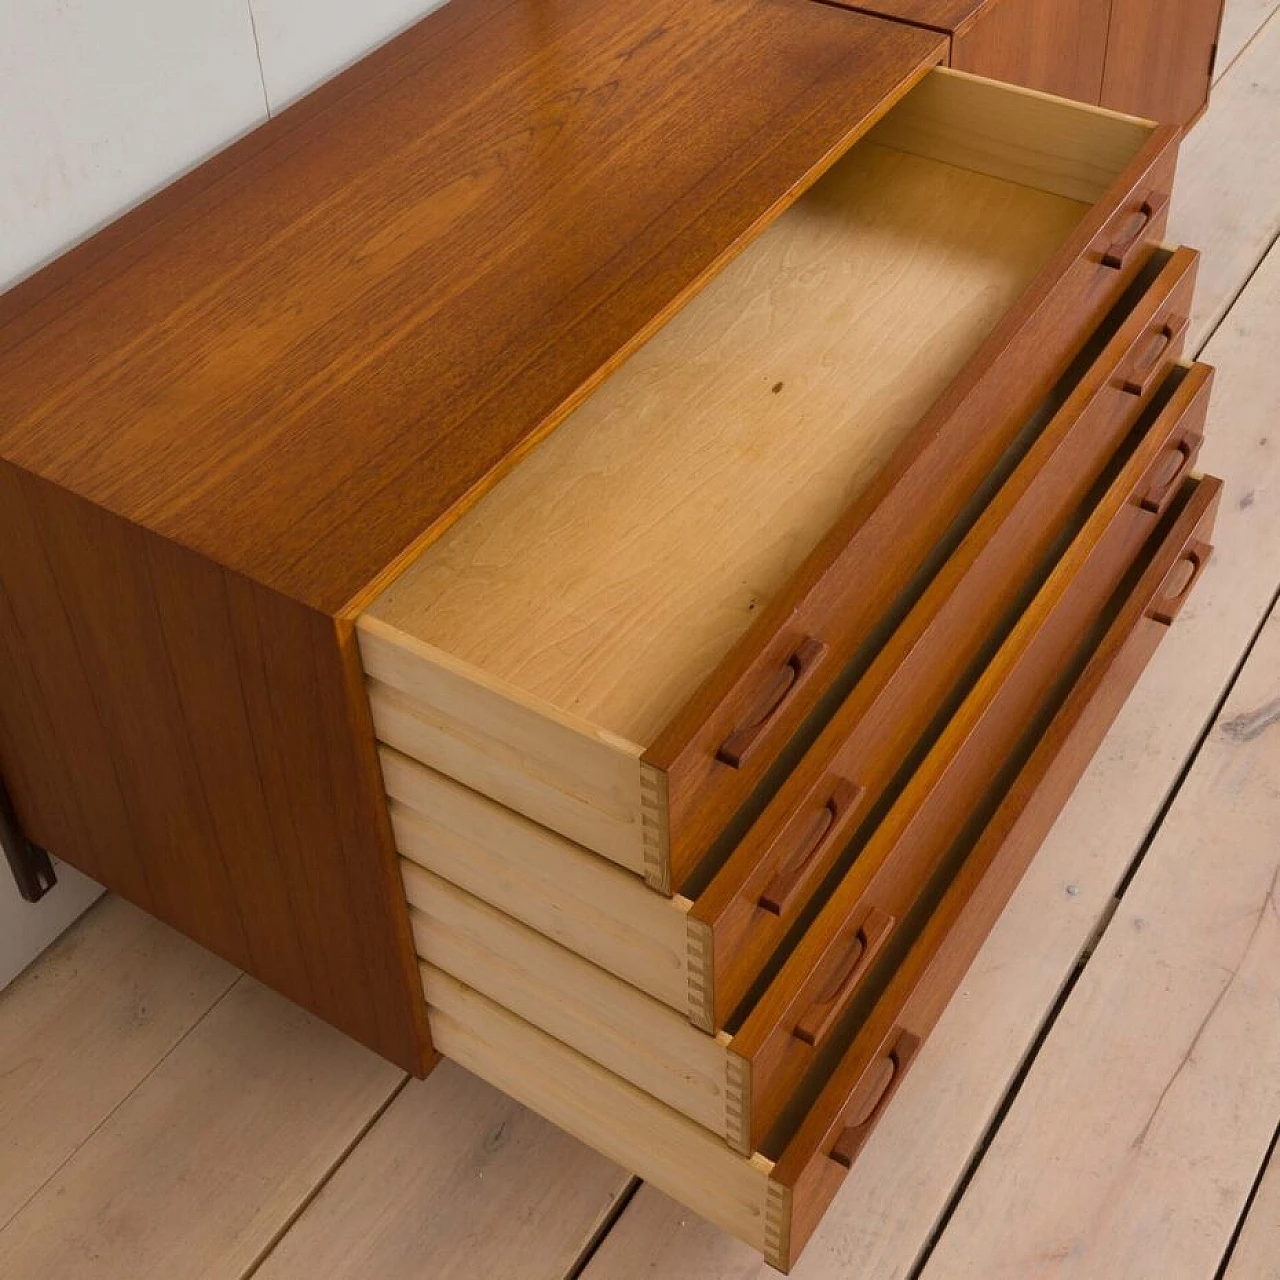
(739, 1082)
(632, 637)
(775, 1197)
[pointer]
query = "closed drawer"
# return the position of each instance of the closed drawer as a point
(739, 1085)
(774, 1197)
(702, 956)
(630, 638)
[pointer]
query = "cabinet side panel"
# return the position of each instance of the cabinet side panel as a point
(201, 746)
(1056, 46)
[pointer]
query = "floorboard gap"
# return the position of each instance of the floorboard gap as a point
(606, 1224)
(1221, 73)
(323, 1181)
(1271, 245)
(993, 1125)
(1248, 1206)
(1215, 711)
(120, 1102)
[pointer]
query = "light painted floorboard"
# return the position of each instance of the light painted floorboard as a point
(83, 1027)
(1257, 1252)
(197, 1172)
(1138, 1133)
(1227, 200)
(455, 1181)
(1241, 21)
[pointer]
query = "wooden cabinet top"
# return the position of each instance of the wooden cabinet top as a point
(312, 351)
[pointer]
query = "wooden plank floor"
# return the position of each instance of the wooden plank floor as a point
(1100, 1102)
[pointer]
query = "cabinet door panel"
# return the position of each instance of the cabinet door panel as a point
(1058, 46)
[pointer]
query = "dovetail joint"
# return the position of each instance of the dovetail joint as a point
(737, 1103)
(698, 966)
(777, 1226)
(654, 834)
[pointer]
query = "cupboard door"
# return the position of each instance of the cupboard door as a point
(1057, 46)
(1160, 58)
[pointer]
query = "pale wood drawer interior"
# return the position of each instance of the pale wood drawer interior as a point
(536, 650)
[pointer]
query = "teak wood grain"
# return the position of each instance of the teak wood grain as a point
(474, 593)
(226, 418)
(792, 373)
(939, 15)
(1146, 57)
(538, 647)
(1059, 46)
(844, 586)
(562, 617)
(300, 362)
(201, 745)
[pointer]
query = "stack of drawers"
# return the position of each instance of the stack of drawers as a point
(718, 733)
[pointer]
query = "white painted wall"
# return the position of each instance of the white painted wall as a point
(303, 42)
(101, 103)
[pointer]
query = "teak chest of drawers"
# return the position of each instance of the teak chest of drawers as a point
(684, 761)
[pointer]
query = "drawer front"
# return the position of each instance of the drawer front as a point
(820, 985)
(665, 947)
(759, 893)
(718, 749)
(1160, 58)
(838, 1122)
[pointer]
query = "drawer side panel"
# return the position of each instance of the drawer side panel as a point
(583, 1006)
(562, 773)
(572, 896)
(617, 1119)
